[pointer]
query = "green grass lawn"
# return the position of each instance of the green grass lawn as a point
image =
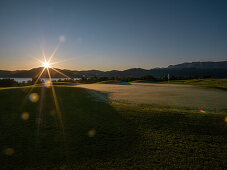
(142, 81)
(216, 83)
(103, 136)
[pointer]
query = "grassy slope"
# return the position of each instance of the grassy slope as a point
(107, 82)
(217, 83)
(134, 136)
(141, 81)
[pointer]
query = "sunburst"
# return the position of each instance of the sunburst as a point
(47, 65)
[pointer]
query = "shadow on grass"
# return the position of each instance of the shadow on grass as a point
(96, 129)
(92, 129)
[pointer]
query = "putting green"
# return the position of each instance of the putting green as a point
(209, 99)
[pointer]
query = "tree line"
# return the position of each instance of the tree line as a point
(149, 78)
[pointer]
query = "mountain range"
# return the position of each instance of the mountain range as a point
(212, 69)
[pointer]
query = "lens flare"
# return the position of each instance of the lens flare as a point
(62, 38)
(25, 116)
(91, 133)
(48, 84)
(46, 64)
(34, 97)
(8, 151)
(202, 111)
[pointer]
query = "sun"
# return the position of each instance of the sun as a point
(46, 64)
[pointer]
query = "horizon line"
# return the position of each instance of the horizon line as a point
(116, 69)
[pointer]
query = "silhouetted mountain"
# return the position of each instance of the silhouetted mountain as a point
(202, 65)
(35, 72)
(213, 69)
(4, 73)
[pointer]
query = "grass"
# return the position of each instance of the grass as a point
(107, 82)
(215, 83)
(105, 136)
(141, 81)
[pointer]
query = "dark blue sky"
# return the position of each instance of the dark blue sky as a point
(113, 34)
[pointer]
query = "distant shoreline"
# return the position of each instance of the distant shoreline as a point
(20, 80)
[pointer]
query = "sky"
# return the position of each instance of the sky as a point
(110, 35)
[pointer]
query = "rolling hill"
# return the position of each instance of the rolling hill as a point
(212, 69)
